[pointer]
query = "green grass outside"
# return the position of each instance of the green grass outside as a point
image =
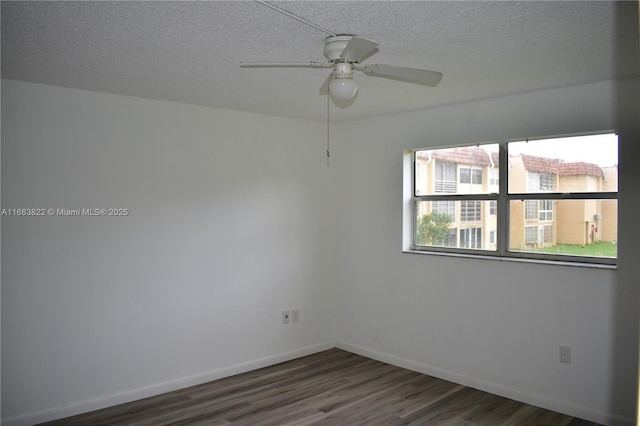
(601, 249)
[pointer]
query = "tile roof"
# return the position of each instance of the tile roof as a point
(557, 167)
(480, 157)
(580, 169)
(474, 156)
(540, 164)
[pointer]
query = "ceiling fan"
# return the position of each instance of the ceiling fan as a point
(344, 53)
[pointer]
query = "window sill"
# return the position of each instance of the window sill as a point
(514, 259)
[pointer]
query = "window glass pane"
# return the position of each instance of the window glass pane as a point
(476, 176)
(465, 175)
(468, 170)
(565, 227)
(460, 224)
(575, 164)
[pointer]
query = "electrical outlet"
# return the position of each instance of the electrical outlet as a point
(286, 317)
(295, 315)
(565, 354)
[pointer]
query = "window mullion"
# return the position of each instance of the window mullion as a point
(503, 202)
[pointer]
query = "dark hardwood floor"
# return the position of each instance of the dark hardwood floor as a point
(329, 388)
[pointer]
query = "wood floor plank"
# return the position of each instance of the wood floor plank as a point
(530, 415)
(333, 387)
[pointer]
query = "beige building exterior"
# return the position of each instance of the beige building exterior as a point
(532, 223)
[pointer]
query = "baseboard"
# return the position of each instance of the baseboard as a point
(496, 389)
(156, 389)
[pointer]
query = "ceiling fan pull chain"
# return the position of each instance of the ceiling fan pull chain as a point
(328, 151)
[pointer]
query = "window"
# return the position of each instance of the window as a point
(543, 199)
(547, 234)
(531, 209)
(537, 182)
(471, 238)
(445, 177)
(533, 181)
(445, 207)
(546, 210)
(494, 177)
(546, 182)
(468, 175)
(470, 211)
(451, 240)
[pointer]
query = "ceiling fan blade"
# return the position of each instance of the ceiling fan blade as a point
(358, 48)
(410, 75)
(275, 64)
(324, 89)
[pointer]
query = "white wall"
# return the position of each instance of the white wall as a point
(229, 224)
(495, 325)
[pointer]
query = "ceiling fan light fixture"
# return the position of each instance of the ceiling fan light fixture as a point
(342, 86)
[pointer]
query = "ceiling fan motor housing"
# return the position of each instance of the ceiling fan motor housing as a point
(334, 45)
(343, 70)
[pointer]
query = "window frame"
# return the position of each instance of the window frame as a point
(503, 200)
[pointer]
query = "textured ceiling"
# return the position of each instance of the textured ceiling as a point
(190, 51)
